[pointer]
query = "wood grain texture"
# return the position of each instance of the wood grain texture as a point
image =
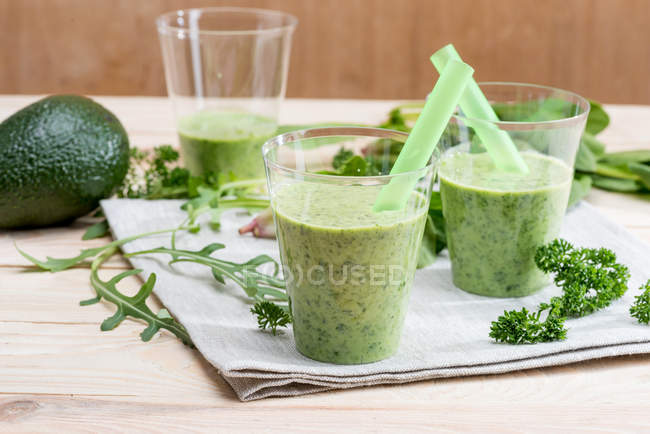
(343, 48)
(60, 373)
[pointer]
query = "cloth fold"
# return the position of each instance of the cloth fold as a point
(446, 329)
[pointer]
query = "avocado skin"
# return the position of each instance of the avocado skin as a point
(58, 157)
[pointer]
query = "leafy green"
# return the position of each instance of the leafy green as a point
(156, 174)
(585, 159)
(270, 315)
(266, 290)
(341, 158)
(257, 285)
(621, 185)
(625, 157)
(580, 188)
(59, 264)
(524, 327)
(590, 280)
(641, 307)
(134, 306)
(643, 172)
(98, 230)
(598, 118)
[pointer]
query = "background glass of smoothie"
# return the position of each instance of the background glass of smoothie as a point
(348, 269)
(495, 220)
(226, 71)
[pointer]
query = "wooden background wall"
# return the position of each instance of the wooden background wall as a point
(343, 48)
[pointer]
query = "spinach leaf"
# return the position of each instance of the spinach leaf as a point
(625, 157)
(615, 184)
(598, 118)
(642, 171)
(585, 159)
(579, 188)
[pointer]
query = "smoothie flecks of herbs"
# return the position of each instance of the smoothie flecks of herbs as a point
(348, 269)
(496, 220)
(225, 142)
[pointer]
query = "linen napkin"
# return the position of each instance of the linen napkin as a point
(446, 330)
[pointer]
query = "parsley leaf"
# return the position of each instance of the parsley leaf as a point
(641, 307)
(590, 280)
(270, 315)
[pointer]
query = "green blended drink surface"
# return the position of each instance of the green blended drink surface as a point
(496, 220)
(349, 270)
(225, 142)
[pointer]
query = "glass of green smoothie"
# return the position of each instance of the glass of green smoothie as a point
(496, 219)
(226, 71)
(348, 269)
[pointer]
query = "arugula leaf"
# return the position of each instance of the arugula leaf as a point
(641, 307)
(98, 230)
(256, 284)
(134, 306)
(59, 264)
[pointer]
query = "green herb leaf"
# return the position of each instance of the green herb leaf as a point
(598, 118)
(134, 306)
(342, 156)
(270, 315)
(615, 184)
(590, 279)
(585, 159)
(625, 157)
(593, 144)
(642, 171)
(524, 327)
(580, 187)
(98, 230)
(257, 285)
(641, 307)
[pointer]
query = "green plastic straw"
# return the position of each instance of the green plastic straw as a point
(424, 136)
(475, 105)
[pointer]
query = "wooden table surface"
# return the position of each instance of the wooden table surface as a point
(59, 372)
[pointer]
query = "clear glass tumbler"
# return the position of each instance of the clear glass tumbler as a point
(496, 219)
(226, 71)
(348, 269)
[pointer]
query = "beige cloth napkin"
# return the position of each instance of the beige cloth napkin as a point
(446, 331)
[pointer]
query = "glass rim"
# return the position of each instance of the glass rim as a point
(554, 123)
(164, 26)
(322, 132)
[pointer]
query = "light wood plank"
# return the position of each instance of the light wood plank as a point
(25, 414)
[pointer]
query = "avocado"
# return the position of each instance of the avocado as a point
(58, 158)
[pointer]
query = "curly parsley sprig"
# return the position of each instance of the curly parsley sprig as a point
(590, 280)
(641, 307)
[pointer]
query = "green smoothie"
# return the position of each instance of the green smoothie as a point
(348, 270)
(495, 220)
(225, 142)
